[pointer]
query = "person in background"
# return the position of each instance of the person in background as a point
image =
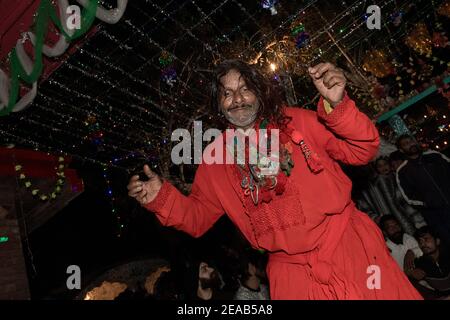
(203, 282)
(403, 247)
(251, 287)
(383, 197)
(424, 181)
(434, 265)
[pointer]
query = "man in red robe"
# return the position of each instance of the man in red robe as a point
(320, 246)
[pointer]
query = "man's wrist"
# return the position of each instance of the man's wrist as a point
(327, 106)
(333, 104)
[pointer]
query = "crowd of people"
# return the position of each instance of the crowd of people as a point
(408, 197)
(225, 275)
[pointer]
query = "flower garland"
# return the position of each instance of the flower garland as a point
(35, 191)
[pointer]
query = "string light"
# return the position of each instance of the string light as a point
(4, 239)
(110, 195)
(130, 113)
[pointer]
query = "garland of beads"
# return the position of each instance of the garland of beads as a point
(35, 191)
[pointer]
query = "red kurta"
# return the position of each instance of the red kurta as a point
(320, 245)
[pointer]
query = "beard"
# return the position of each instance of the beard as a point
(413, 150)
(212, 283)
(242, 116)
(428, 251)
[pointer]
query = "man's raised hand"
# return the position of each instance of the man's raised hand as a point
(144, 191)
(330, 81)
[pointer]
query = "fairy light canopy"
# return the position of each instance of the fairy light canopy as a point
(116, 100)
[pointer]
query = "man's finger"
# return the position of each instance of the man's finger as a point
(134, 184)
(333, 81)
(141, 195)
(133, 193)
(321, 69)
(330, 74)
(149, 173)
(314, 69)
(136, 189)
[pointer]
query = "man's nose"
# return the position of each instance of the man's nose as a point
(238, 99)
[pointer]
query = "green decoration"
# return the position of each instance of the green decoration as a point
(36, 192)
(297, 29)
(45, 12)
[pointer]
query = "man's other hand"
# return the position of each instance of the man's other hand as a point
(144, 191)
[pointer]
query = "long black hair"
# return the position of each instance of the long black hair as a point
(270, 99)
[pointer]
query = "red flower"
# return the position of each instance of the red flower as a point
(288, 147)
(296, 137)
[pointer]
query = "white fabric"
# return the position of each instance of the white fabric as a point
(398, 251)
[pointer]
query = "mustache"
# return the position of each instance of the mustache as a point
(244, 106)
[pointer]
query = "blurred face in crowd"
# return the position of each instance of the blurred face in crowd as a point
(208, 277)
(393, 231)
(383, 166)
(237, 102)
(428, 244)
(409, 147)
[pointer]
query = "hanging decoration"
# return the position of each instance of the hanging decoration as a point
(297, 27)
(4, 239)
(396, 18)
(419, 40)
(270, 4)
(444, 9)
(398, 125)
(95, 134)
(21, 66)
(302, 40)
(377, 63)
(440, 40)
(298, 32)
(35, 191)
(168, 72)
